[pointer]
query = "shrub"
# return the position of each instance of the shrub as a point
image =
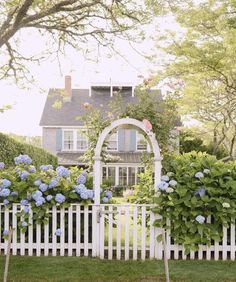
(196, 187)
(11, 148)
(44, 188)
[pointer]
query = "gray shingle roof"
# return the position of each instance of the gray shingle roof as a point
(72, 158)
(66, 115)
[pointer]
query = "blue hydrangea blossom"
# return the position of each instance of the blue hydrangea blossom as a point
(62, 172)
(162, 185)
(81, 179)
(59, 198)
(2, 165)
(58, 232)
(165, 178)
(199, 174)
(5, 192)
(200, 219)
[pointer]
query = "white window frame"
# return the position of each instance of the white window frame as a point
(83, 140)
(137, 140)
(63, 140)
(112, 149)
(74, 130)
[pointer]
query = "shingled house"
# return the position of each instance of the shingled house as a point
(63, 134)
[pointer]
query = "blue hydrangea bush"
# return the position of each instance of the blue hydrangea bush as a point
(196, 187)
(44, 188)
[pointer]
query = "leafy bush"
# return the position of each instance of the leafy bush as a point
(196, 187)
(44, 188)
(144, 191)
(11, 148)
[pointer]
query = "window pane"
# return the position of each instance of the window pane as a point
(82, 140)
(112, 174)
(68, 140)
(141, 142)
(104, 173)
(131, 176)
(112, 142)
(123, 176)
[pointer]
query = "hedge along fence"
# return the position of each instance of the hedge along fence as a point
(197, 188)
(9, 148)
(43, 189)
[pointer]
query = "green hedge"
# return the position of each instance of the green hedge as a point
(9, 149)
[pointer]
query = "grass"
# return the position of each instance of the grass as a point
(30, 269)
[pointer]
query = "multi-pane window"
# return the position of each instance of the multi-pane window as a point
(74, 140)
(141, 142)
(112, 144)
(68, 140)
(131, 176)
(109, 173)
(82, 140)
(122, 176)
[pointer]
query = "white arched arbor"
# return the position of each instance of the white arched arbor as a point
(124, 122)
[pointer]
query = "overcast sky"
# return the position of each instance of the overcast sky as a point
(27, 104)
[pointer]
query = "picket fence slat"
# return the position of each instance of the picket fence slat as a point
(110, 228)
(14, 227)
(127, 232)
(107, 231)
(78, 243)
(118, 234)
(62, 227)
(152, 236)
(143, 236)
(6, 226)
(70, 231)
(54, 228)
(101, 243)
(232, 241)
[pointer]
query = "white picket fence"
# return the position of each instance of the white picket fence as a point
(107, 231)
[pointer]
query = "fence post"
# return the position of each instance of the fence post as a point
(165, 255)
(7, 255)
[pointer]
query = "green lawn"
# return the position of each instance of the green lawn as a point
(30, 269)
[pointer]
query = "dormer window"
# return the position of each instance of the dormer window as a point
(111, 89)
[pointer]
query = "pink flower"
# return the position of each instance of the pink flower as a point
(147, 124)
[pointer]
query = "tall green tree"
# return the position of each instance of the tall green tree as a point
(63, 22)
(203, 55)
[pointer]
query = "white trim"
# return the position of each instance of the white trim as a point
(117, 141)
(75, 149)
(63, 140)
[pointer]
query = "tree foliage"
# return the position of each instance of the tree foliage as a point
(202, 54)
(161, 113)
(189, 141)
(63, 22)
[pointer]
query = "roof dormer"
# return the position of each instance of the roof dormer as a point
(111, 89)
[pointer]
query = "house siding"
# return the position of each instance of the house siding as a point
(49, 139)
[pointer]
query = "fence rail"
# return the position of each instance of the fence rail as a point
(107, 231)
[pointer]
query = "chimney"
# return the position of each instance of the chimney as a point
(68, 90)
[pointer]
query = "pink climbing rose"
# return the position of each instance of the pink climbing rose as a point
(147, 124)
